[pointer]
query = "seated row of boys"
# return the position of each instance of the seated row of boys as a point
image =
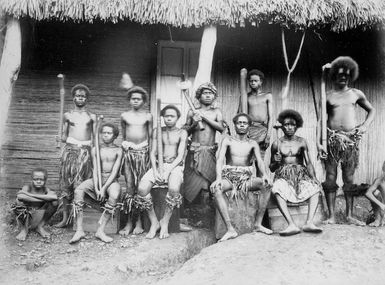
(294, 180)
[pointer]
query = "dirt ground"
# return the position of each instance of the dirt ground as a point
(342, 254)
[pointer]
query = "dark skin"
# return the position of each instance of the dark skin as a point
(293, 150)
(111, 158)
(174, 146)
(36, 195)
(341, 115)
(79, 125)
(211, 118)
(260, 105)
(237, 151)
(136, 129)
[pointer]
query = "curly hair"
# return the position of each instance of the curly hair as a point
(209, 86)
(292, 114)
(256, 72)
(345, 62)
(115, 129)
(137, 89)
(235, 119)
(172, 107)
(80, 87)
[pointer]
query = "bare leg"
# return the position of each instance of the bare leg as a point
(263, 198)
(164, 223)
(330, 189)
(41, 231)
(292, 228)
(100, 231)
(78, 209)
(138, 226)
(222, 208)
(128, 227)
(23, 230)
(173, 199)
(155, 226)
(130, 191)
(64, 220)
(310, 226)
(349, 212)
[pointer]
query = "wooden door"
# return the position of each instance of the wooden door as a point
(175, 58)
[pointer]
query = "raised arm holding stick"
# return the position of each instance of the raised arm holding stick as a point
(184, 85)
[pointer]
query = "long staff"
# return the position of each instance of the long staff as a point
(62, 97)
(323, 107)
(97, 151)
(277, 126)
(184, 85)
(159, 138)
(243, 91)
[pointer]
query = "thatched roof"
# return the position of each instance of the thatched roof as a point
(338, 15)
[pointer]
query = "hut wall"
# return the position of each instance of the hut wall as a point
(97, 54)
(262, 49)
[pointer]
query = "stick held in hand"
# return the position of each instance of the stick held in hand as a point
(62, 98)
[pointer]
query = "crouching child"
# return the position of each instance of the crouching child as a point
(35, 205)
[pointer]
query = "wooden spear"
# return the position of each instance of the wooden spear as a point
(97, 151)
(159, 138)
(62, 98)
(243, 90)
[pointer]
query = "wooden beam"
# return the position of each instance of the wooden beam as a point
(9, 69)
(206, 55)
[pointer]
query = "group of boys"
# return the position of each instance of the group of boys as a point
(233, 168)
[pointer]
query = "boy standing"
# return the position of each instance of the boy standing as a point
(75, 163)
(136, 129)
(199, 170)
(260, 110)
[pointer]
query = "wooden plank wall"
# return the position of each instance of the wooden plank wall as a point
(33, 117)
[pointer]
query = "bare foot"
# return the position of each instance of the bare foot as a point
(41, 231)
(163, 230)
(353, 221)
(138, 230)
(22, 235)
(290, 230)
(62, 224)
(311, 228)
(103, 237)
(153, 230)
(126, 230)
(262, 229)
(185, 228)
(376, 223)
(229, 235)
(330, 221)
(77, 236)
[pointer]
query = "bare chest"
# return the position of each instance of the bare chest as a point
(79, 119)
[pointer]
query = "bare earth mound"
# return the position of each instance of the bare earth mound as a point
(342, 254)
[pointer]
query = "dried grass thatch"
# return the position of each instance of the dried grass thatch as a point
(338, 15)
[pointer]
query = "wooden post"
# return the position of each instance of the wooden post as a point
(243, 90)
(159, 138)
(97, 151)
(62, 98)
(206, 54)
(9, 69)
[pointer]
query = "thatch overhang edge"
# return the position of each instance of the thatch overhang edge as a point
(338, 15)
